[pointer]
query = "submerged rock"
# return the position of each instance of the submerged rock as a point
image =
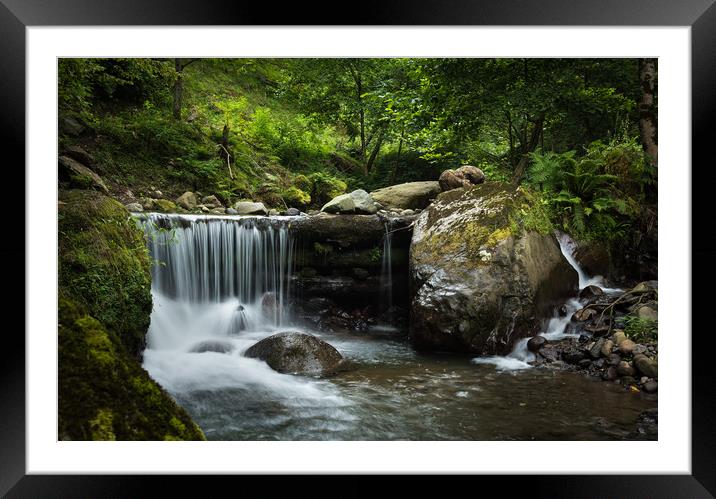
(411, 195)
(476, 285)
(217, 346)
(296, 353)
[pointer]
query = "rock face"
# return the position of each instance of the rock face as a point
(411, 195)
(296, 353)
(358, 201)
(465, 176)
(476, 286)
(250, 208)
(79, 175)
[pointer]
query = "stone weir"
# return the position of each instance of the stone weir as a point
(354, 266)
(351, 259)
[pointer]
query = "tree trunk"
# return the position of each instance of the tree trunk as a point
(178, 89)
(647, 108)
(374, 154)
(528, 147)
(394, 175)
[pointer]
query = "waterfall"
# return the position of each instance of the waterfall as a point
(233, 273)
(386, 271)
(555, 330)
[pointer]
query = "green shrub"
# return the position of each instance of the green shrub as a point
(295, 197)
(325, 187)
(641, 330)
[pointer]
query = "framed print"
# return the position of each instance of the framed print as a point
(426, 243)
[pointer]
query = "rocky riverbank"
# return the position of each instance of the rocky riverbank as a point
(613, 337)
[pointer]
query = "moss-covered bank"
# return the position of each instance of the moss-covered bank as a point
(104, 306)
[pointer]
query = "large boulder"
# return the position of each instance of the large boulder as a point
(479, 279)
(358, 201)
(79, 175)
(465, 176)
(296, 353)
(411, 195)
(211, 202)
(250, 208)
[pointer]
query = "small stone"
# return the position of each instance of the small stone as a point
(134, 207)
(614, 359)
(583, 314)
(292, 212)
(619, 337)
(584, 363)
(231, 211)
(647, 366)
(607, 348)
(591, 291)
(639, 348)
(625, 369)
(535, 343)
(610, 374)
(627, 347)
(651, 387)
(596, 350)
(273, 212)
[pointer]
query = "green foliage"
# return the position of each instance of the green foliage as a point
(104, 394)
(104, 264)
(295, 197)
(641, 330)
(595, 195)
(325, 187)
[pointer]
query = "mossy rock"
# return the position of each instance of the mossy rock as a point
(165, 206)
(484, 270)
(104, 264)
(104, 394)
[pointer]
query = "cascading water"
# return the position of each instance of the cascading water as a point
(386, 272)
(209, 282)
(520, 356)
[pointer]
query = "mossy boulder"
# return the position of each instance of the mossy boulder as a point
(104, 394)
(296, 353)
(104, 264)
(165, 206)
(104, 307)
(485, 270)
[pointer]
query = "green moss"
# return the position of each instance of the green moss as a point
(322, 249)
(101, 426)
(295, 197)
(165, 205)
(104, 264)
(376, 254)
(98, 343)
(480, 217)
(104, 394)
(104, 307)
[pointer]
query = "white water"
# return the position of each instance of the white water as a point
(520, 356)
(209, 280)
(386, 273)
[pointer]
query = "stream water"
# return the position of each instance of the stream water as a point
(213, 285)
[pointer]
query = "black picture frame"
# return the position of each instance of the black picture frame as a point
(700, 15)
